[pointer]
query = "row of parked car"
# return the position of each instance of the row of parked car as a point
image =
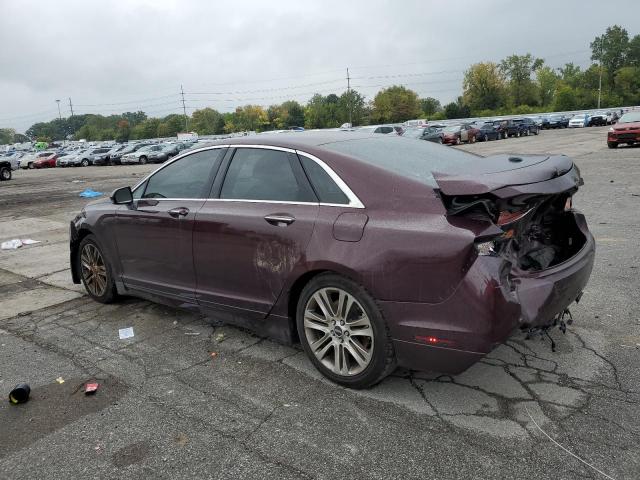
(139, 153)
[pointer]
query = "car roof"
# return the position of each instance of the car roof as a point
(298, 140)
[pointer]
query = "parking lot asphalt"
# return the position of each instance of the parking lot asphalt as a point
(188, 397)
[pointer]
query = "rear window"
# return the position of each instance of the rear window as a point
(410, 158)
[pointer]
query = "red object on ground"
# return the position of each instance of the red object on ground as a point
(91, 388)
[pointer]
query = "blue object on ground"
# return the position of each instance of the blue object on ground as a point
(89, 193)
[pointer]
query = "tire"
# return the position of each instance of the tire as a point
(84, 162)
(612, 144)
(5, 173)
(472, 139)
(440, 140)
(142, 160)
(485, 138)
(506, 135)
(517, 135)
(536, 131)
(457, 142)
(331, 333)
(31, 166)
(527, 132)
(98, 280)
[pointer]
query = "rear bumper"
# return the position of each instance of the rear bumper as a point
(486, 308)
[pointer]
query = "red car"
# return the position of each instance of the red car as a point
(455, 134)
(627, 130)
(370, 250)
(48, 161)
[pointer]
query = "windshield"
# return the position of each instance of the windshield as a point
(630, 117)
(455, 128)
(579, 117)
(410, 158)
(412, 133)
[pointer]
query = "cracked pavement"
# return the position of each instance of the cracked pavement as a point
(188, 396)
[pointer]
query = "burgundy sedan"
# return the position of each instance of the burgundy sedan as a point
(626, 130)
(370, 250)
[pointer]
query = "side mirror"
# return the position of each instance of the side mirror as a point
(122, 196)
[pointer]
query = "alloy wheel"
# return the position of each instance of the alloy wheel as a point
(338, 331)
(94, 271)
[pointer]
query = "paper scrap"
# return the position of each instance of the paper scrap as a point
(17, 243)
(60, 380)
(125, 333)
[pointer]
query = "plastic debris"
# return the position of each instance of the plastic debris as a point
(213, 354)
(77, 181)
(125, 333)
(20, 393)
(90, 193)
(219, 337)
(60, 380)
(91, 388)
(192, 333)
(17, 243)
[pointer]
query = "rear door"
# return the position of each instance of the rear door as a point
(154, 235)
(253, 231)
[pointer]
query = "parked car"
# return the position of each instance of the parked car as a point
(455, 134)
(386, 129)
(13, 158)
(612, 117)
(557, 121)
(48, 161)
(76, 158)
(147, 154)
(171, 149)
(116, 156)
(510, 128)
(626, 130)
(488, 131)
(28, 161)
(527, 126)
(6, 169)
(350, 243)
(430, 134)
(598, 119)
(113, 153)
(96, 156)
(580, 120)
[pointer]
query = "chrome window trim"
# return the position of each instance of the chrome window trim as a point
(354, 201)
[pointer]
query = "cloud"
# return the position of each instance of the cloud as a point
(113, 52)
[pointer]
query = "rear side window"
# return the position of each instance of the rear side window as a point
(184, 178)
(263, 174)
(323, 184)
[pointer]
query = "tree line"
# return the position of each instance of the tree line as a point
(519, 84)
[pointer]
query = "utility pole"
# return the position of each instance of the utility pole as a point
(71, 106)
(600, 85)
(59, 114)
(349, 95)
(184, 109)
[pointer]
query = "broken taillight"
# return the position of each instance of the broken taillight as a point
(506, 217)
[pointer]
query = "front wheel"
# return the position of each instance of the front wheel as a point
(5, 173)
(485, 138)
(457, 140)
(84, 162)
(342, 331)
(142, 160)
(612, 144)
(95, 271)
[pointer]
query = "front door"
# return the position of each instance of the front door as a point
(155, 235)
(248, 239)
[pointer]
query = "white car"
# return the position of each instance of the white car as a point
(28, 160)
(579, 121)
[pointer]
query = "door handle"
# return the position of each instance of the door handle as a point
(279, 219)
(179, 212)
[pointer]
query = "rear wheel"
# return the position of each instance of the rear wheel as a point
(95, 271)
(142, 160)
(472, 139)
(31, 166)
(342, 331)
(457, 140)
(5, 173)
(84, 162)
(485, 137)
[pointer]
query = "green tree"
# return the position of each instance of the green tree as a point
(628, 83)
(570, 74)
(207, 121)
(633, 54)
(355, 102)
(547, 81)
(430, 106)
(483, 87)
(611, 49)
(565, 98)
(123, 131)
(457, 109)
(250, 118)
(518, 70)
(7, 136)
(395, 104)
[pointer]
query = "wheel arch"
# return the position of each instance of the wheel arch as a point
(77, 235)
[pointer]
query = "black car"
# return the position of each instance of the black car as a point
(509, 128)
(488, 131)
(430, 134)
(557, 121)
(598, 119)
(527, 126)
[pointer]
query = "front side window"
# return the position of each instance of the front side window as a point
(184, 178)
(263, 174)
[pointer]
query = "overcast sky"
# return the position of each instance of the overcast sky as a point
(115, 56)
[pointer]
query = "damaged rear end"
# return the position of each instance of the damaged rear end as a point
(535, 246)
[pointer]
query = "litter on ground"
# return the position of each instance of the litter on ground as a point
(60, 380)
(91, 388)
(125, 333)
(17, 243)
(89, 193)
